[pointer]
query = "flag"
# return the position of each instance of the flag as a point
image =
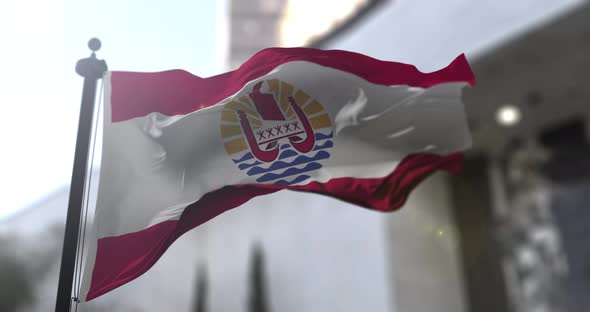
(179, 150)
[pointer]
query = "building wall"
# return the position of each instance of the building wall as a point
(425, 266)
(253, 25)
(431, 33)
(423, 251)
(320, 255)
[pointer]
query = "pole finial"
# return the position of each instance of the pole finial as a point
(91, 67)
(94, 44)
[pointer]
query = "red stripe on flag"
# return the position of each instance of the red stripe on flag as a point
(177, 92)
(121, 259)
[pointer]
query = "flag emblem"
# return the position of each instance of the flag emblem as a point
(277, 133)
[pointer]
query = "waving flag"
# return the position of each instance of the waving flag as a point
(179, 149)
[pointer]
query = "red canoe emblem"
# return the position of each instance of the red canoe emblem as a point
(265, 146)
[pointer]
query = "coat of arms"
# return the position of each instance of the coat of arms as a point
(276, 136)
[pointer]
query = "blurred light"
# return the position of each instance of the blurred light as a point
(508, 115)
(440, 232)
(306, 20)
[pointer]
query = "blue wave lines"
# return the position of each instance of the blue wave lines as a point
(302, 159)
(288, 153)
(289, 172)
(247, 165)
(321, 136)
(328, 144)
(248, 156)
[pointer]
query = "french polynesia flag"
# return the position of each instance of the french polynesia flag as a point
(179, 150)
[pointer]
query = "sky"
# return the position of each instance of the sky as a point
(40, 43)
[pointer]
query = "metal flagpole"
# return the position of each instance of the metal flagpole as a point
(91, 69)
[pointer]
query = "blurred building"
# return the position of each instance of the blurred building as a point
(253, 24)
(500, 236)
(507, 234)
(530, 118)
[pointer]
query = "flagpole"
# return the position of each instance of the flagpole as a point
(91, 69)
